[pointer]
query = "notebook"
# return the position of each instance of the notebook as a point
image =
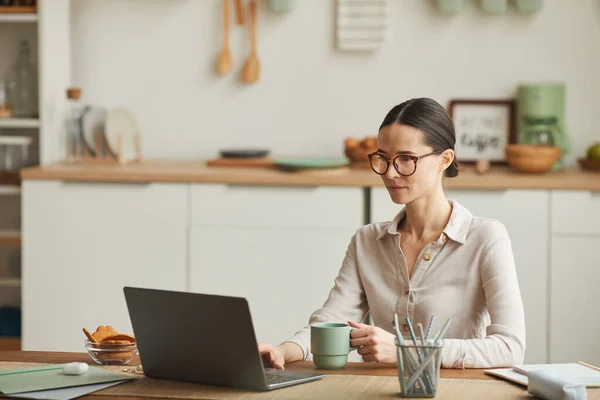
(571, 371)
(67, 393)
(51, 377)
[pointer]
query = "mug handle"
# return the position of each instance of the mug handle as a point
(350, 338)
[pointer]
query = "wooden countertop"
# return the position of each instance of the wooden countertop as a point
(498, 178)
(500, 389)
(352, 368)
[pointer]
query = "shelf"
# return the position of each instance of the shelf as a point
(19, 123)
(18, 10)
(9, 190)
(10, 282)
(10, 239)
(17, 17)
(10, 343)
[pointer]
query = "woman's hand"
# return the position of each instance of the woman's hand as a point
(272, 355)
(277, 356)
(377, 345)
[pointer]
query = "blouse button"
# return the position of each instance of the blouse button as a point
(427, 257)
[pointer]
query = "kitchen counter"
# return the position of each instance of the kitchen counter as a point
(498, 178)
(173, 223)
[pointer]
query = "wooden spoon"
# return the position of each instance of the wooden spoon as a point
(251, 69)
(239, 12)
(224, 61)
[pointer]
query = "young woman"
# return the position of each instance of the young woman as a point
(433, 258)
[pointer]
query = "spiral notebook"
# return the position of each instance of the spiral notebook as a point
(579, 372)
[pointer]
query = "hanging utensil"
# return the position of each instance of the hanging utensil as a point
(251, 69)
(224, 61)
(239, 12)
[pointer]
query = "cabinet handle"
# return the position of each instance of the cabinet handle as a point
(104, 183)
(246, 186)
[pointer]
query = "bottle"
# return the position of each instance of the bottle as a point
(73, 139)
(22, 93)
(5, 110)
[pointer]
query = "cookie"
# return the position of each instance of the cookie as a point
(120, 336)
(89, 335)
(125, 355)
(104, 331)
(107, 341)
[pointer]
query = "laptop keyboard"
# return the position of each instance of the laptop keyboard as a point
(274, 377)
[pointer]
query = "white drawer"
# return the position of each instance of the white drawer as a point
(276, 206)
(90, 202)
(576, 212)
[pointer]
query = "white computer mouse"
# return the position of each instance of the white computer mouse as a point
(75, 368)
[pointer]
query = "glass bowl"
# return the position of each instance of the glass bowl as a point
(111, 353)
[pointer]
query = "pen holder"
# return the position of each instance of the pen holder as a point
(419, 369)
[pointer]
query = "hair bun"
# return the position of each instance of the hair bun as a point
(452, 170)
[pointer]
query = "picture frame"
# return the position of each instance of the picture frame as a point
(483, 128)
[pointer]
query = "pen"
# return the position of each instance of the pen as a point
(400, 358)
(411, 362)
(440, 335)
(429, 326)
(414, 338)
(419, 354)
(589, 366)
(25, 371)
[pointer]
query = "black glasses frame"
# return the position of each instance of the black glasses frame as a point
(393, 161)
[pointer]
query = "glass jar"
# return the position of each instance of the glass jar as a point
(22, 93)
(73, 136)
(14, 155)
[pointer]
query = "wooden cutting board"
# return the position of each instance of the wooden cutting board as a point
(262, 162)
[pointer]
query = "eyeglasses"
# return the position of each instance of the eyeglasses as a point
(405, 164)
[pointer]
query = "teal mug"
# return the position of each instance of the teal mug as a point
(330, 344)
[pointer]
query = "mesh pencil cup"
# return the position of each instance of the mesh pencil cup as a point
(419, 368)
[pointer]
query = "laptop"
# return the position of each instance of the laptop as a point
(202, 338)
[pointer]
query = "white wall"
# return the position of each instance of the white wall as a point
(158, 56)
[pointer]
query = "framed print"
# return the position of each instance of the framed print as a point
(483, 128)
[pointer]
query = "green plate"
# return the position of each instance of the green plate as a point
(311, 163)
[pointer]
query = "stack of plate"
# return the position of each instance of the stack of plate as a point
(311, 164)
(101, 131)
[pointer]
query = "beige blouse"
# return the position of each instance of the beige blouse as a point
(468, 274)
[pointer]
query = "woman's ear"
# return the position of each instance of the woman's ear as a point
(446, 159)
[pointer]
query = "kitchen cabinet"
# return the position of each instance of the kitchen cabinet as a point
(525, 214)
(575, 252)
(576, 212)
(281, 248)
(574, 302)
(48, 34)
(83, 242)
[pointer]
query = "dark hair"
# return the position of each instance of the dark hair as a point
(428, 116)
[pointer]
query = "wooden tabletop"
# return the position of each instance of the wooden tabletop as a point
(498, 178)
(350, 369)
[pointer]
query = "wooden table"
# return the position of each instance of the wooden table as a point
(351, 369)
